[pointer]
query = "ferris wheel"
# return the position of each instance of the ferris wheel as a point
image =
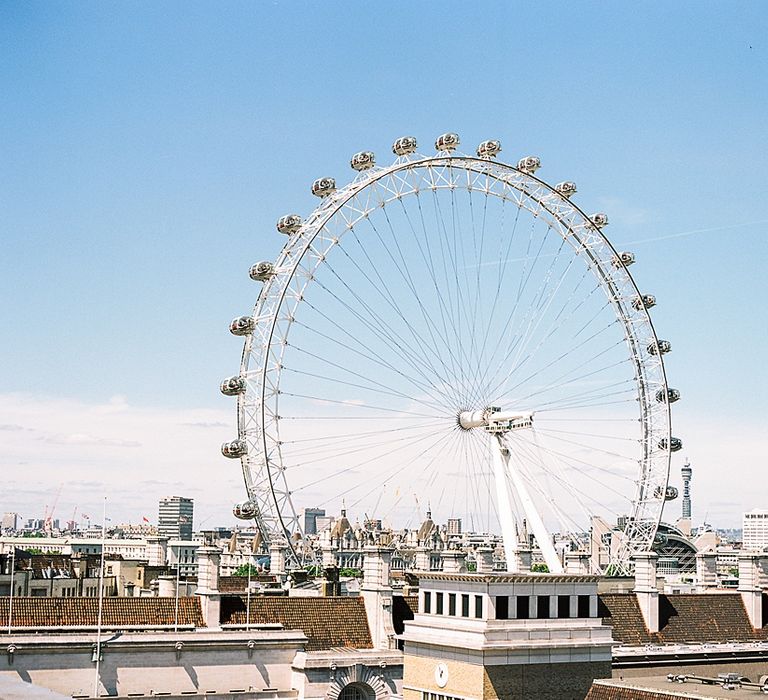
(450, 329)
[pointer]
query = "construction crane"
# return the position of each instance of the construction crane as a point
(48, 519)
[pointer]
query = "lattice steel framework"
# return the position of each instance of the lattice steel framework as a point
(308, 247)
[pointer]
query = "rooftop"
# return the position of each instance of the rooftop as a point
(659, 688)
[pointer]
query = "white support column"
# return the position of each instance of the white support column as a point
(504, 503)
(645, 588)
(506, 471)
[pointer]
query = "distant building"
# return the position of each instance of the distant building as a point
(10, 522)
(310, 519)
(687, 473)
(454, 526)
(755, 531)
(174, 519)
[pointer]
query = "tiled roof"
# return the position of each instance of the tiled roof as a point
(694, 617)
(328, 622)
(605, 690)
(117, 612)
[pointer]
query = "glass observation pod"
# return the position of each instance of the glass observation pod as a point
(599, 220)
(663, 347)
(404, 145)
(489, 149)
(644, 300)
(670, 493)
(529, 164)
(364, 160)
(323, 186)
(242, 325)
(261, 271)
(288, 224)
(232, 386)
(567, 189)
(675, 444)
(247, 510)
(670, 396)
(447, 142)
(234, 449)
(623, 259)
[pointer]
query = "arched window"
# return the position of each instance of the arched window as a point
(357, 691)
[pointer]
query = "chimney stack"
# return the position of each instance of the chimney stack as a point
(645, 588)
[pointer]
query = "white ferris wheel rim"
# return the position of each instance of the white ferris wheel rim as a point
(306, 249)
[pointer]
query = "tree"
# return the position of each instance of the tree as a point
(244, 569)
(540, 568)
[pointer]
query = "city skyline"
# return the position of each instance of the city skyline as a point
(147, 162)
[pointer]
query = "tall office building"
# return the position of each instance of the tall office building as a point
(174, 519)
(310, 519)
(454, 526)
(687, 473)
(755, 533)
(11, 521)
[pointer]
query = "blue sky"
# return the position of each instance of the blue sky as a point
(146, 151)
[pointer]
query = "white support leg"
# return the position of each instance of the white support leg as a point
(504, 502)
(534, 519)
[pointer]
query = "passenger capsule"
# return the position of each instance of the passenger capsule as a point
(644, 301)
(489, 149)
(599, 220)
(247, 510)
(323, 186)
(670, 396)
(623, 259)
(675, 444)
(232, 386)
(404, 145)
(242, 325)
(364, 160)
(261, 271)
(529, 164)
(662, 348)
(447, 142)
(234, 449)
(670, 493)
(567, 189)
(288, 224)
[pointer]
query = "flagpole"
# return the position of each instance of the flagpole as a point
(96, 693)
(248, 598)
(176, 612)
(10, 600)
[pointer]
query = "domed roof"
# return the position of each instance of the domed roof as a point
(341, 526)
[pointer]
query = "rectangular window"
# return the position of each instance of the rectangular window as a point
(439, 603)
(502, 607)
(542, 607)
(523, 607)
(583, 606)
(464, 605)
(427, 602)
(451, 603)
(478, 606)
(563, 606)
